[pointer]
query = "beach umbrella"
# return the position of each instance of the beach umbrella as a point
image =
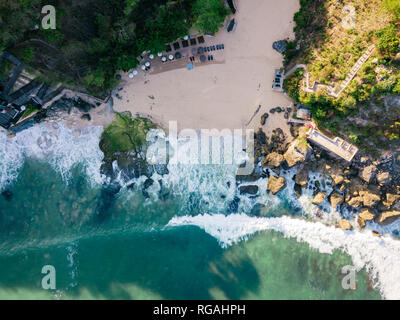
(143, 67)
(171, 57)
(203, 58)
(185, 37)
(130, 75)
(163, 59)
(134, 72)
(151, 56)
(159, 54)
(147, 64)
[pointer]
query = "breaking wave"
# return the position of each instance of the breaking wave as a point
(62, 147)
(378, 255)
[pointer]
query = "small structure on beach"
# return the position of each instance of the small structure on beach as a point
(303, 114)
(336, 146)
(277, 83)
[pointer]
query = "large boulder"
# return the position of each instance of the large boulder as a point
(391, 199)
(335, 198)
(366, 214)
(345, 225)
(355, 202)
(298, 152)
(272, 160)
(337, 179)
(319, 198)
(250, 189)
(388, 217)
(368, 173)
(276, 184)
(383, 178)
(370, 199)
(301, 177)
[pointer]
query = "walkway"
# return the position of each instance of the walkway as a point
(330, 88)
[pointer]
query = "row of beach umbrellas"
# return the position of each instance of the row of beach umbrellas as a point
(171, 57)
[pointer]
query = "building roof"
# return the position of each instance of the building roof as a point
(337, 146)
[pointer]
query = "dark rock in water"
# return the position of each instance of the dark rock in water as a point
(258, 210)
(234, 205)
(130, 186)
(272, 111)
(264, 118)
(254, 176)
(280, 46)
(222, 196)
(7, 194)
(228, 183)
(145, 194)
(107, 197)
(297, 190)
(164, 192)
(149, 182)
(252, 190)
(86, 116)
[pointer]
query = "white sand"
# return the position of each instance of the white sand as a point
(221, 95)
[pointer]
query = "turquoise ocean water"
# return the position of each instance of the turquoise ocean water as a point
(180, 243)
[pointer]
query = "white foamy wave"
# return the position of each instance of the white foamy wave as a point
(380, 256)
(60, 146)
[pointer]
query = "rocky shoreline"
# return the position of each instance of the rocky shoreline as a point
(369, 188)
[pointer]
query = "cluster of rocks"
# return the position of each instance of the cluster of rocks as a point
(368, 187)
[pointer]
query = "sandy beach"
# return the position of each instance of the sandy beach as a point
(225, 94)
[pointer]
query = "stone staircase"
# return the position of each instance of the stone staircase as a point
(330, 88)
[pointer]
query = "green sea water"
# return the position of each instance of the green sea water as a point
(128, 253)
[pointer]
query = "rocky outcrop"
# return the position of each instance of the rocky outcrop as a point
(369, 198)
(336, 199)
(368, 173)
(337, 179)
(364, 197)
(301, 177)
(276, 184)
(345, 225)
(319, 198)
(297, 152)
(366, 214)
(388, 217)
(383, 178)
(251, 190)
(391, 199)
(272, 160)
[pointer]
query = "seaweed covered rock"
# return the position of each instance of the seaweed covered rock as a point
(124, 143)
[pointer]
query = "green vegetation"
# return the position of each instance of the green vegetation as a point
(124, 135)
(96, 38)
(211, 15)
(330, 51)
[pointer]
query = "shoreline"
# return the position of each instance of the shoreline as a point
(207, 97)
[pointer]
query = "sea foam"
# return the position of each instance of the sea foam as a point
(379, 256)
(60, 146)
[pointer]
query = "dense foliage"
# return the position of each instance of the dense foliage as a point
(330, 50)
(95, 38)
